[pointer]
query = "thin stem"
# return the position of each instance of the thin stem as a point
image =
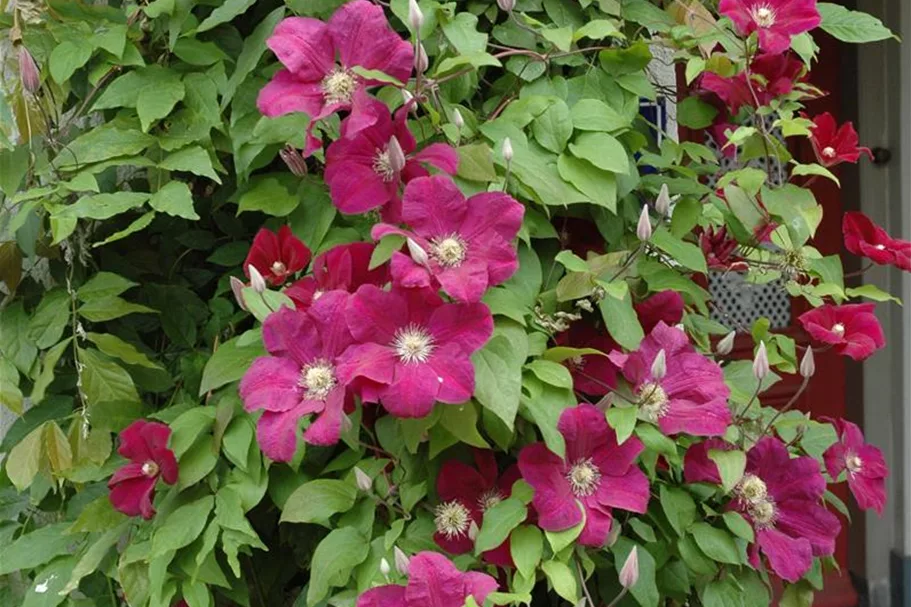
(617, 598)
(788, 405)
(588, 595)
(743, 412)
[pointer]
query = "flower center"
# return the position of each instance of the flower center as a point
(452, 519)
(489, 499)
(577, 362)
(279, 269)
(752, 489)
(853, 463)
(828, 151)
(339, 86)
(317, 294)
(150, 469)
(763, 15)
(839, 329)
(653, 401)
(318, 379)
(382, 165)
(764, 513)
(583, 477)
(880, 247)
(449, 251)
(413, 344)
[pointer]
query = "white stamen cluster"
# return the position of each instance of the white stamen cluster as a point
(448, 251)
(853, 463)
(754, 493)
(763, 14)
(452, 519)
(278, 268)
(489, 499)
(839, 329)
(150, 469)
(318, 379)
(413, 344)
(653, 401)
(339, 86)
(828, 152)
(584, 477)
(382, 165)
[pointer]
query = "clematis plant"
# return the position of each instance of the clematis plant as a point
(132, 486)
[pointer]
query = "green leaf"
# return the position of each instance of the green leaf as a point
(717, 544)
(16, 345)
(561, 37)
(224, 13)
(499, 521)
(115, 347)
(553, 128)
(182, 526)
(526, 544)
(197, 52)
(551, 373)
(137, 225)
(562, 579)
(462, 33)
(694, 113)
(99, 515)
(227, 364)
(334, 559)
(102, 285)
(598, 29)
(252, 52)
(871, 292)
(102, 143)
(678, 507)
(10, 394)
(156, 100)
(115, 415)
(48, 583)
(109, 308)
(595, 115)
(198, 461)
(91, 559)
(476, 163)
(104, 380)
(67, 57)
(103, 206)
(57, 448)
(622, 321)
(598, 185)
(462, 422)
(24, 461)
(731, 465)
(268, 195)
(385, 248)
(623, 421)
(602, 150)
(685, 253)
(645, 590)
(175, 200)
(40, 546)
(559, 540)
(738, 525)
(316, 501)
(815, 169)
(50, 319)
(498, 374)
(193, 159)
(851, 26)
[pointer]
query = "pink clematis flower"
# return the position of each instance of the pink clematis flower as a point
(864, 463)
(318, 78)
(366, 170)
(341, 268)
(593, 374)
(834, 144)
(775, 21)
(865, 238)
(596, 472)
(777, 75)
(277, 256)
(414, 349)
(780, 497)
(432, 581)
(698, 467)
(300, 377)
(691, 397)
(467, 242)
(465, 493)
(852, 329)
(132, 487)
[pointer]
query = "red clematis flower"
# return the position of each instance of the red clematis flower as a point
(665, 306)
(318, 78)
(596, 472)
(698, 467)
(433, 581)
(465, 493)
(366, 170)
(835, 144)
(341, 268)
(775, 21)
(865, 238)
(852, 329)
(718, 248)
(864, 463)
(132, 487)
(277, 256)
(777, 75)
(593, 374)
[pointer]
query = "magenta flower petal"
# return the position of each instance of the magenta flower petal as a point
(304, 47)
(455, 374)
(865, 238)
(493, 212)
(585, 430)
(291, 335)
(326, 429)
(383, 596)
(271, 383)
(133, 496)
(774, 20)
(412, 391)
(442, 156)
(467, 325)
(362, 36)
(629, 491)
(598, 523)
(433, 205)
(372, 361)
(790, 557)
(853, 328)
(865, 465)
(276, 432)
(285, 94)
(434, 580)
(698, 467)
(132, 487)
(375, 315)
(553, 500)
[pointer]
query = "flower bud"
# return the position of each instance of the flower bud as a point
(396, 155)
(256, 279)
(473, 531)
(385, 569)
(407, 97)
(415, 16)
(294, 160)
(401, 560)
(726, 344)
(28, 71)
(457, 119)
(663, 202)
(507, 150)
(659, 365)
(807, 364)
(761, 362)
(644, 227)
(364, 482)
(418, 254)
(421, 62)
(237, 287)
(629, 573)
(506, 5)
(614, 534)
